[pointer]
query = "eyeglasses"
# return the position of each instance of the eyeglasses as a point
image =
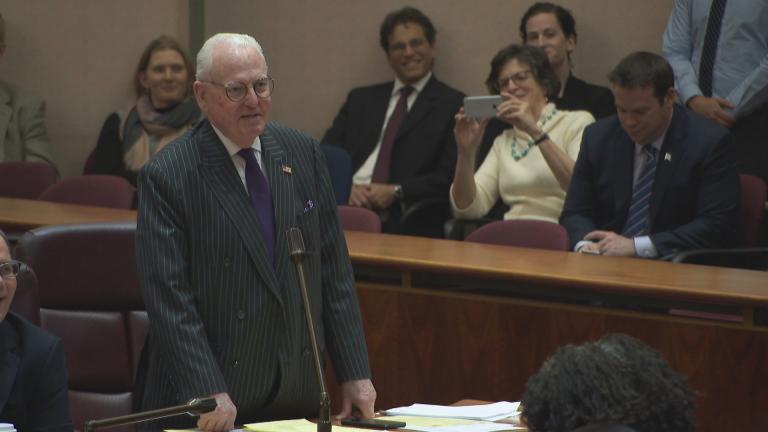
(237, 91)
(9, 269)
(517, 78)
(399, 47)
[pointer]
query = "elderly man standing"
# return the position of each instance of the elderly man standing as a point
(655, 179)
(222, 296)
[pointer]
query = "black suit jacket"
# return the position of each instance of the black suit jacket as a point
(33, 378)
(580, 95)
(223, 317)
(424, 152)
(695, 198)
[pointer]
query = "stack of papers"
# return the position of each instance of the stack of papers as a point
(488, 412)
(433, 424)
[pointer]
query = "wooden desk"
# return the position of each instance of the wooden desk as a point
(448, 320)
(21, 214)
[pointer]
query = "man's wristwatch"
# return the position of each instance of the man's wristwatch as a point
(398, 192)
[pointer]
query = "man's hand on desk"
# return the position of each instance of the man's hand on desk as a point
(360, 394)
(610, 243)
(220, 419)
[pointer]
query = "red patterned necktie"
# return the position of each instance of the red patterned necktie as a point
(381, 171)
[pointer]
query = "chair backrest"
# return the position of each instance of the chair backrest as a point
(522, 233)
(94, 190)
(340, 168)
(753, 197)
(90, 298)
(25, 179)
(26, 302)
(359, 219)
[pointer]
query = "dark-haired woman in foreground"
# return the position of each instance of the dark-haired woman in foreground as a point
(616, 380)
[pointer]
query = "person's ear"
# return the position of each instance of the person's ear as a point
(199, 89)
(570, 43)
(143, 79)
(670, 97)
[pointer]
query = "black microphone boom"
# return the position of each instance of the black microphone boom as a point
(193, 407)
(296, 251)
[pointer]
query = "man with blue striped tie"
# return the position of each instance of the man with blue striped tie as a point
(656, 178)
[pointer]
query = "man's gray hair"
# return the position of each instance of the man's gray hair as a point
(237, 42)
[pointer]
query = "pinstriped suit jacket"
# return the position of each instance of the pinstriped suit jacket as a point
(222, 318)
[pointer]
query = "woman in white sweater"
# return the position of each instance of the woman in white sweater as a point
(529, 165)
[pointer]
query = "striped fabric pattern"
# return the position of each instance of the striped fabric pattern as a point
(709, 50)
(637, 222)
(222, 318)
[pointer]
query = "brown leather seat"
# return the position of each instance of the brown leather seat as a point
(90, 297)
(26, 179)
(94, 190)
(535, 234)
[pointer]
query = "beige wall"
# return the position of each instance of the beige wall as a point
(80, 55)
(319, 50)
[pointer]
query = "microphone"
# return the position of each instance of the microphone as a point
(193, 407)
(296, 252)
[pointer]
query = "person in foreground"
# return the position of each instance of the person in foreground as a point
(222, 295)
(530, 165)
(34, 396)
(615, 380)
(654, 180)
(164, 111)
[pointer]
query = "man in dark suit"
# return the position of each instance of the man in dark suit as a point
(400, 134)
(23, 136)
(654, 180)
(34, 395)
(222, 296)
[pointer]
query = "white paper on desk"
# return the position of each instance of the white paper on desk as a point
(471, 412)
(475, 427)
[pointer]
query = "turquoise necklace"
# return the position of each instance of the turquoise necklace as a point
(518, 154)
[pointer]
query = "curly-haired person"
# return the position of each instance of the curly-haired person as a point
(617, 379)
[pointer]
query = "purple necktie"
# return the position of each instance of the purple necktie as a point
(381, 171)
(261, 199)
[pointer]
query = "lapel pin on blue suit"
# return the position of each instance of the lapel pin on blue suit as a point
(287, 170)
(667, 157)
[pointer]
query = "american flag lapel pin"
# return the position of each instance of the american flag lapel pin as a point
(287, 170)
(667, 157)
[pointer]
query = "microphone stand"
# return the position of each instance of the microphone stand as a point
(193, 407)
(296, 251)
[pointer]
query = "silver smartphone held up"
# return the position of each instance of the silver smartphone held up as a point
(481, 106)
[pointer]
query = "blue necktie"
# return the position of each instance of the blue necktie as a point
(709, 50)
(637, 222)
(261, 199)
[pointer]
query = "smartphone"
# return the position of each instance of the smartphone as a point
(481, 106)
(372, 423)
